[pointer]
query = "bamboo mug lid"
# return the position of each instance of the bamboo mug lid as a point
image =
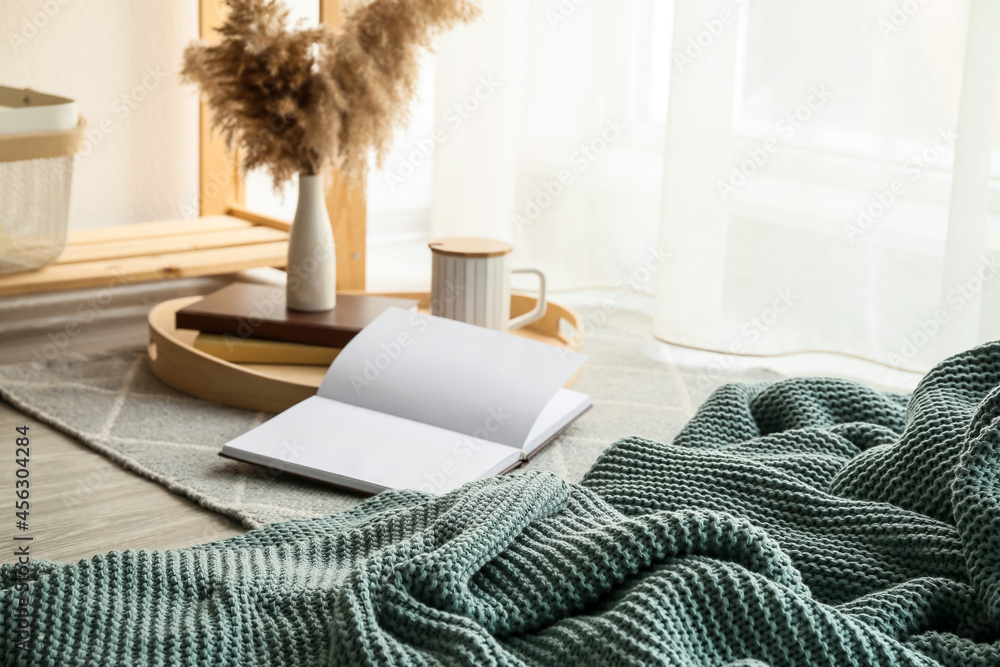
(470, 246)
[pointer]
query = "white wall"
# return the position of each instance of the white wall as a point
(120, 60)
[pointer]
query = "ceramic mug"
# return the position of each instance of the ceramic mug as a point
(470, 282)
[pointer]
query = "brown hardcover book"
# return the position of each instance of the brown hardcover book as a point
(248, 310)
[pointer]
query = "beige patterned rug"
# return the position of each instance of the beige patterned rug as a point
(113, 403)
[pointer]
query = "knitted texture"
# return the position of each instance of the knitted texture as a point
(805, 522)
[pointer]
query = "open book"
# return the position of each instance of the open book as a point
(422, 402)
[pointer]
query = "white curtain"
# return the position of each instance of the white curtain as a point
(827, 178)
(805, 176)
(548, 138)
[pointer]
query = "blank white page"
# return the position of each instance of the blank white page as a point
(359, 449)
(564, 407)
(457, 376)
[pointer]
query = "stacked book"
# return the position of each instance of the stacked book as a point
(410, 401)
(249, 323)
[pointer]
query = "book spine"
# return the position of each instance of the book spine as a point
(264, 330)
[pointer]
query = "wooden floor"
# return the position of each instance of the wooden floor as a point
(81, 504)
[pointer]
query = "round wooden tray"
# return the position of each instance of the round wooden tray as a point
(274, 387)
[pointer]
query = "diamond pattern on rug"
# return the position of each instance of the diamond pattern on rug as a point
(113, 403)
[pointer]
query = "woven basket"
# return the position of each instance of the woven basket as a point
(36, 172)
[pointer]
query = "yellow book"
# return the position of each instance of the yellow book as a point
(256, 351)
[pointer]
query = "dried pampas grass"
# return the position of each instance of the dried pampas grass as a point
(297, 100)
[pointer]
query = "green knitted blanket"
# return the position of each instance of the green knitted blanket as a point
(805, 522)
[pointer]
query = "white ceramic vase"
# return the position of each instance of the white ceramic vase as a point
(312, 260)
